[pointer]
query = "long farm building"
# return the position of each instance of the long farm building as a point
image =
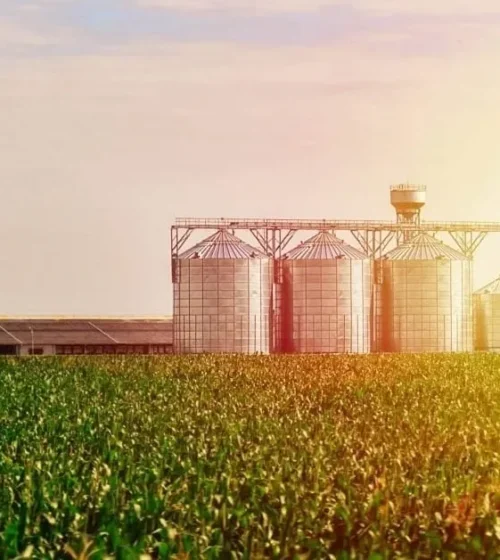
(85, 335)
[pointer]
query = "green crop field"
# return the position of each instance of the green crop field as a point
(250, 457)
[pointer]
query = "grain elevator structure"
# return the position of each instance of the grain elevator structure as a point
(394, 286)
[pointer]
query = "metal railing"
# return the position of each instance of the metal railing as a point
(408, 187)
(346, 225)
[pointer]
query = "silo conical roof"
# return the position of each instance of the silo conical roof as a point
(324, 245)
(222, 245)
(491, 288)
(424, 247)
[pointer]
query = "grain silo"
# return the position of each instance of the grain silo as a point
(222, 297)
(487, 317)
(426, 298)
(326, 294)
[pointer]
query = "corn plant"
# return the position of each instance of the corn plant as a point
(250, 457)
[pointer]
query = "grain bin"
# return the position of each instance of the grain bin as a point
(426, 298)
(222, 297)
(325, 305)
(487, 317)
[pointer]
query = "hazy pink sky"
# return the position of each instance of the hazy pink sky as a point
(118, 116)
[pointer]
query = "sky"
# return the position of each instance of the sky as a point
(118, 116)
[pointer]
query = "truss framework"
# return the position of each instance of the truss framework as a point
(468, 241)
(373, 237)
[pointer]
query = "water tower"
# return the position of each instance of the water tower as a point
(408, 200)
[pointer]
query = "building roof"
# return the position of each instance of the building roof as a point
(324, 245)
(424, 247)
(112, 318)
(222, 245)
(491, 288)
(64, 330)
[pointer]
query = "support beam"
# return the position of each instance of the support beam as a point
(373, 243)
(283, 241)
(179, 238)
(374, 237)
(467, 241)
(384, 242)
(405, 236)
(362, 238)
(262, 238)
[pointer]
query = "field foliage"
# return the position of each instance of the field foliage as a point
(250, 457)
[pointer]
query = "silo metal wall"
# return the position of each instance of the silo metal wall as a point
(487, 322)
(427, 306)
(279, 313)
(326, 305)
(222, 305)
(376, 308)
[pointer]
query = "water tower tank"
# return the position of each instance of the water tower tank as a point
(408, 200)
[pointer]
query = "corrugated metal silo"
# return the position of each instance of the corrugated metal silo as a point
(222, 297)
(426, 298)
(487, 317)
(326, 295)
